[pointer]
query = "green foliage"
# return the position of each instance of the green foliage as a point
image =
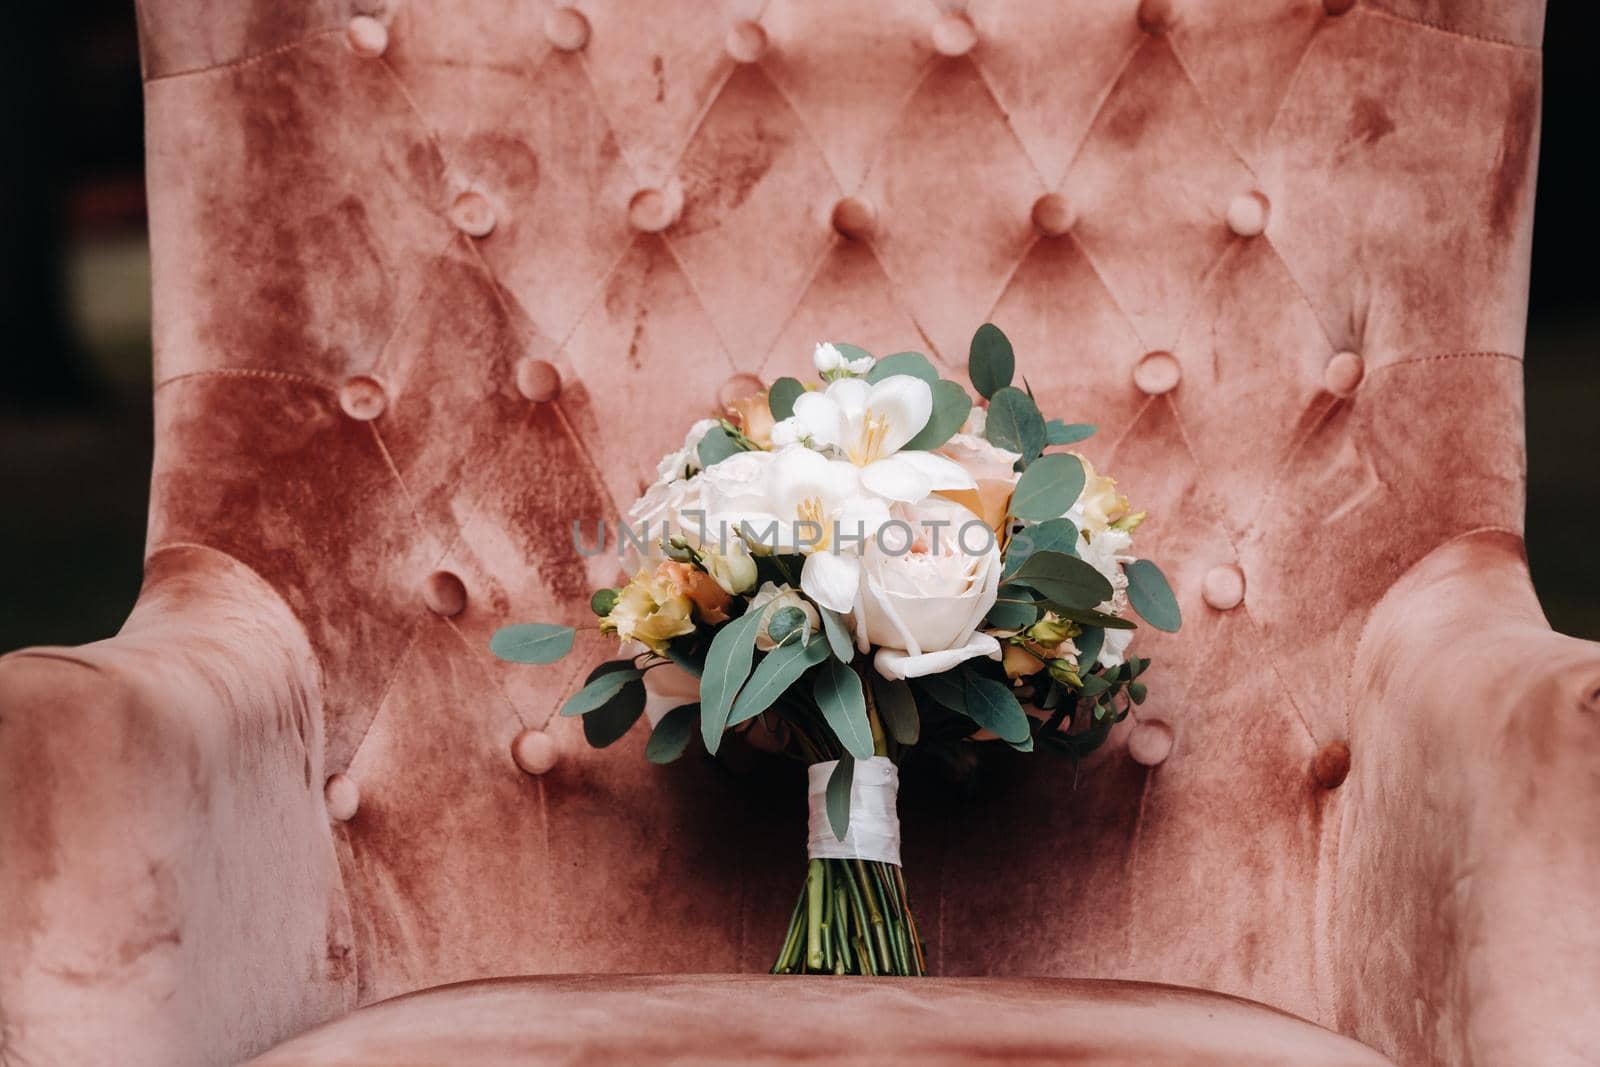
(1064, 580)
(851, 353)
(1014, 423)
(946, 689)
(781, 396)
(717, 445)
(992, 706)
(532, 642)
(897, 708)
(785, 623)
(603, 601)
(838, 795)
(1054, 535)
(1048, 488)
(1057, 432)
(1011, 614)
(837, 690)
(990, 361)
(777, 671)
(951, 405)
(838, 634)
(1151, 596)
(606, 683)
(1089, 644)
(912, 363)
(671, 736)
(727, 666)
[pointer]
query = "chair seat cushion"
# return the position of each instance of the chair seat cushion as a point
(724, 1019)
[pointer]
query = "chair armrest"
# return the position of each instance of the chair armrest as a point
(170, 889)
(1465, 925)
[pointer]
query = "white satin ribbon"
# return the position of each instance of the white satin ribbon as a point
(874, 832)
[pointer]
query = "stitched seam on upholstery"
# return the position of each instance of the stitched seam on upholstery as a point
(1294, 80)
(1277, 672)
(811, 279)
(1211, 112)
(1094, 268)
(247, 372)
(1100, 104)
(1130, 864)
(1294, 279)
(488, 676)
(394, 472)
(394, 676)
(416, 299)
(243, 61)
(1330, 405)
(1442, 356)
(1207, 280)
(1477, 38)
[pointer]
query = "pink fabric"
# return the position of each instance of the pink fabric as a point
(375, 264)
(726, 1019)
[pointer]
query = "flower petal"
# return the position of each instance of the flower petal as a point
(941, 471)
(896, 479)
(821, 418)
(905, 403)
(892, 663)
(831, 579)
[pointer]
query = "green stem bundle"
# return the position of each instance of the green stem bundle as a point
(852, 917)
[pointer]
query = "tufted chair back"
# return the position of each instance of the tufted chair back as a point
(436, 278)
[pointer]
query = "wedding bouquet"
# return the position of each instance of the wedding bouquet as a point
(862, 569)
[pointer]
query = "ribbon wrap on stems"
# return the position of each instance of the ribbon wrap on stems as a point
(874, 832)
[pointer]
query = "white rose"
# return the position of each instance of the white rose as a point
(734, 487)
(686, 460)
(1106, 553)
(771, 599)
(667, 508)
(922, 607)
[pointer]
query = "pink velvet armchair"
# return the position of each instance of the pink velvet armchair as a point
(413, 261)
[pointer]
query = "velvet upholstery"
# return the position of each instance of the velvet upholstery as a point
(435, 279)
(727, 1019)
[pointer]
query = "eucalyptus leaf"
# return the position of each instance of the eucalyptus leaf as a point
(606, 724)
(532, 642)
(990, 360)
(781, 396)
(1012, 615)
(1089, 644)
(727, 666)
(913, 363)
(951, 405)
(785, 623)
(946, 688)
(838, 634)
(679, 651)
(838, 693)
(1053, 535)
(838, 796)
(1151, 596)
(1064, 579)
(1048, 487)
(1057, 432)
(671, 736)
(603, 687)
(897, 708)
(851, 353)
(1091, 617)
(777, 671)
(992, 706)
(717, 445)
(1014, 423)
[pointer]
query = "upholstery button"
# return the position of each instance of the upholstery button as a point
(854, 218)
(1155, 16)
(445, 594)
(953, 35)
(1337, 7)
(366, 36)
(1343, 373)
(362, 398)
(534, 751)
(342, 795)
(566, 29)
(538, 380)
(1331, 765)
(1223, 587)
(1150, 742)
(737, 388)
(1052, 215)
(1247, 214)
(653, 210)
(473, 215)
(746, 41)
(1157, 373)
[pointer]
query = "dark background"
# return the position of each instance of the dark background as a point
(75, 428)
